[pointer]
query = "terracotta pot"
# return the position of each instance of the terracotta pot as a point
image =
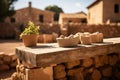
(30, 40)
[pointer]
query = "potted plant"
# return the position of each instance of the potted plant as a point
(30, 34)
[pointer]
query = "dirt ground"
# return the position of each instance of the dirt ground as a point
(8, 47)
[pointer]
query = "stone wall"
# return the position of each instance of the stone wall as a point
(7, 62)
(102, 67)
(109, 31)
(12, 31)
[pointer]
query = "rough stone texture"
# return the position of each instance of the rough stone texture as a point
(59, 72)
(70, 65)
(104, 59)
(44, 55)
(7, 62)
(101, 60)
(7, 59)
(96, 75)
(107, 71)
(87, 62)
(4, 67)
(39, 74)
(113, 59)
(75, 74)
(98, 62)
(62, 79)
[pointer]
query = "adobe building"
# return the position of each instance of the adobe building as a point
(29, 13)
(104, 11)
(80, 17)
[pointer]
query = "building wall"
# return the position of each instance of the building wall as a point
(95, 13)
(108, 11)
(22, 16)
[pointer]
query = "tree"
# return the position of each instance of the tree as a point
(6, 9)
(55, 9)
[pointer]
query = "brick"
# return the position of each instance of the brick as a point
(4, 67)
(39, 74)
(107, 71)
(59, 72)
(96, 75)
(87, 62)
(75, 74)
(112, 60)
(72, 64)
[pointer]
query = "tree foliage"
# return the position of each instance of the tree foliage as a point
(6, 9)
(55, 9)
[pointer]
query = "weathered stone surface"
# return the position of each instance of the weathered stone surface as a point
(75, 74)
(1, 61)
(7, 59)
(2, 54)
(62, 79)
(98, 61)
(72, 64)
(13, 64)
(87, 62)
(117, 75)
(104, 59)
(107, 71)
(59, 72)
(113, 59)
(101, 60)
(96, 75)
(14, 58)
(44, 55)
(39, 74)
(4, 67)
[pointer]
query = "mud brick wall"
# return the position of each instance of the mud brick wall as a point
(7, 62)
(102, 67)
(112, 30)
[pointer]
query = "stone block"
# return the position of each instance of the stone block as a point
(96, 75)
(98, 62)
(107, 71)
(48, 38)
(87, 62)
(104, 59)
(1, 61)
(13, 64)
(4, 67)
(7, 59)
(72, 64)
(62, 78)
(112, 60)
(39, 74)
(75, 74)
(40, 38)
(59, 71)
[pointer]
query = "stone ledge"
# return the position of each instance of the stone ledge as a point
(44, 55)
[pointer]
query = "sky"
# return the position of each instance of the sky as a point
(68, 6)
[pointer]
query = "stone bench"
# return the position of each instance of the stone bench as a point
(99, 61)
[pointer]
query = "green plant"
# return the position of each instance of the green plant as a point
(31, 29)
